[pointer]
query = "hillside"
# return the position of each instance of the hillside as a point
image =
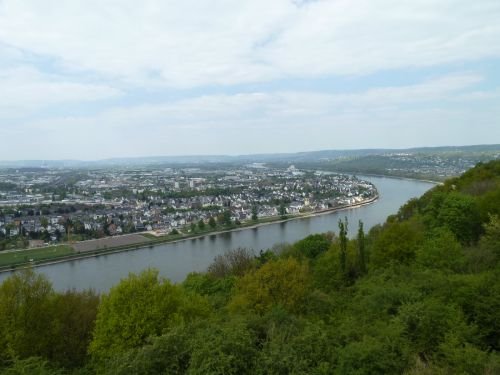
(416, 295)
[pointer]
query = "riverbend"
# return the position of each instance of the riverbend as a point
(176, 259)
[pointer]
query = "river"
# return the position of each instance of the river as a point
(176, 260)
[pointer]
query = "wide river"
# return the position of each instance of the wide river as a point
(176, 260)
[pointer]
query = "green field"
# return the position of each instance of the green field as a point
(23, 256)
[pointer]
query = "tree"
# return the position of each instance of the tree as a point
(361, 248)
(223, 348)
(427, 322)
(343, 243)
(25, 321)
(193, 227)
(225, 218)
(313, 245)
(307, 348)
(441, 250)
(491, 239)
(44, 222)
(282, 210)
(460, 214)
(139, 307)
(31, 366)
(167, 354)
(212, 223)
(397, 242)
(73, 317)
(232, 263)
(255, 213)
(201, 224)
(284, 282)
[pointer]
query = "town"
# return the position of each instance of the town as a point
(40, 206)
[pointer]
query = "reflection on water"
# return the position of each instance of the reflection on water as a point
(176, 260)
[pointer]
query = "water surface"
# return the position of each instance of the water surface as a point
(176, 260)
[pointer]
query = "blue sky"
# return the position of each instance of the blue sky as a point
(93, 79)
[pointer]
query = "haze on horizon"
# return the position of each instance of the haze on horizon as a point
(91, 80)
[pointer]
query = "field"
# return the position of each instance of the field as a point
(22, 256)
(110, 242)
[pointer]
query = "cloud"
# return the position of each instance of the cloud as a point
(24, 89)
(284, 121)
(92, 79)
(194, 42)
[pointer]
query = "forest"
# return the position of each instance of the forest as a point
(419, 294)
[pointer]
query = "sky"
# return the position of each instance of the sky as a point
(97, 79)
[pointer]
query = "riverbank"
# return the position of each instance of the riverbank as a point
(435, 182)
(151, 241)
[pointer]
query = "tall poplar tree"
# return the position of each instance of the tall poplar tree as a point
(343, 244)
(361, 248)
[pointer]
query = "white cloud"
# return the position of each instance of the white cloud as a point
(23, 89)
(196, 42)
(274, 122)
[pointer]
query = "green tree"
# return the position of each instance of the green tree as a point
(427, 322)
(232, 263)
(73, 319)
(255, 213)
(282, 210)
(44, 222)
(373, 355)
(212, 223)
(361, 248)
(32, 366)
(441, 250)
(313, 245)
(201, 224)
(25, 321)
(166, 354)
(460, 214)
(328, 275)
(223, 348)
(306, 348)
(397, 242)
(139, 307)
(343, 243)
(491, 238)
(217, 290)
(284, 282)
(225, 218)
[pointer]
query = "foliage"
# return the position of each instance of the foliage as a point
(313, 245)
(139, 307)
(166, 354)
(460, 214)
(283, 282)
(223, 348)
(74, 315)
(24, 318)
(441, 250)
(212, 223)
(398, 242)
(234, 262)
(297, 350)
(37, 322)
(31, 366)
(217, 290)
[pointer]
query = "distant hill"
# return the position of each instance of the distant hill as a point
(300, 157)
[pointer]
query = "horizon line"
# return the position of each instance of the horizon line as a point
(250, 154)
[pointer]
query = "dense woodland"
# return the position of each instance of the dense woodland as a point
(417, 295)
